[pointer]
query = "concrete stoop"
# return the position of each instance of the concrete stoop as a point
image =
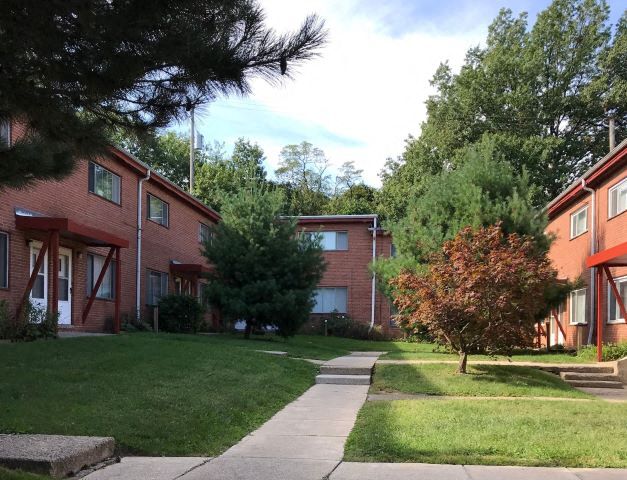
(590, 377)
(55, 455)
(343, 379)
(353, 369)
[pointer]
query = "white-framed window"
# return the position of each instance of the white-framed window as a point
(577, 310)
(4, 260)
(158, 211)
(617, 199)
(5, 133)
(614, 315)
(393, 252)
(94, 267)
(331, 299)
(331, 240)
(104, 183)
(157, 286)
(205, 233)
(579, 222)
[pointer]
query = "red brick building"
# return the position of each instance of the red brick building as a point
(589, 222)
(351, 243)
(104, 213)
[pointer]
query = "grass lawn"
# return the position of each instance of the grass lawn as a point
(156, 394)
(481, 380)
(491, 432)
(19, 475)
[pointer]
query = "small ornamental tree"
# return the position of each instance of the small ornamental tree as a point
(482, 293)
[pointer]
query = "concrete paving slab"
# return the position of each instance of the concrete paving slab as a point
(357, 362)
(600, 473)
(294, 447)
(398, 471)
(148, 468)
(320, 428)
(482, 472)
(609, 394)
(54, 455)
(261, 469)
(273, 352)
(344, 379)
(367, 354)
(316, 413)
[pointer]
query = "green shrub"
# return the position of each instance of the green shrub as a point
(611, 351)
(180, 314)
(130, 323)
(33, 322)
(340, 325)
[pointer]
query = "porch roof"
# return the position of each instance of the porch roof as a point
(612, 257)
(70, 229)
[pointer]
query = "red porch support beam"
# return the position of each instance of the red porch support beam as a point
(559, 324)
(92, 297)
(619, 300)
(53, 300)
(118, 290)
(599, 285)
(33, 275)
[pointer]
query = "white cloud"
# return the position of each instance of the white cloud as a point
(368, 84)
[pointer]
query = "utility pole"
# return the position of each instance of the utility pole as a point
(191, 152)
(612, 126)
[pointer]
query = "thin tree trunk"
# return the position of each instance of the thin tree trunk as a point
(248, 329)
(463, 360)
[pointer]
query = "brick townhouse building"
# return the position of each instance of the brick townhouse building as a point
(589, 223)
(351, 243)
(104, 242)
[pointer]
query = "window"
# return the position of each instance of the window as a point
(617, 199)
(614, 315)
(579, 222)
(104, 183)
(330, 300)
(330, 240)
(393, 252)
(578, 306)
(157, 286)
(4, 260)
(204, 233)
(5, 133)
(393, 313)
(94, 267)
(158, 211)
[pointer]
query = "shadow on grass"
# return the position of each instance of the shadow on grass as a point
(512, 375)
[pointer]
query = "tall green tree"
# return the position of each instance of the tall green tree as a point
(541, 94)
(82, 67)
(359, 199)
(265, 273)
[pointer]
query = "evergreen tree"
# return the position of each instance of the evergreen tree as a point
(265, 273)
(70, 70)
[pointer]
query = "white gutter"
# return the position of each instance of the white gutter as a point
(138, 266)
(374, 275)
(593, 241)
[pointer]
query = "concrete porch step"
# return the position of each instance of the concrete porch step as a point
(595, 383)
(590, 376)
(343, 379)
(578, 368)
(340, 370)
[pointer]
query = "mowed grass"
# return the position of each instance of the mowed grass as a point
(19, 475)
(491, 432)
(481, 380)
(156, 394)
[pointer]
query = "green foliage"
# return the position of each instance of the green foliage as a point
(264, 272)
(179, 314)
(356, 200)
(85, 66)
(34, 322)
(539, 94)
(611, 351)
(340, 325)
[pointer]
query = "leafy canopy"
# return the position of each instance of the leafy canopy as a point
(265, 273)
(85, 66)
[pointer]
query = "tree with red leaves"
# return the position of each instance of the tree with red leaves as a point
(482, 293)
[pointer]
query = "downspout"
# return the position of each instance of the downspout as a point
(593, 241)
(138, 265)
(374, 275)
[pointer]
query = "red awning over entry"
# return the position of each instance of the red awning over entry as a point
(72, 230)
(611, 257)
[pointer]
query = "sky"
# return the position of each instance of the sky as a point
(365, 93)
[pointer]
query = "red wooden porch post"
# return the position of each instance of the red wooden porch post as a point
(33, 275)
(118, 290)
(599, 315)
(92, 296)
(53, 301)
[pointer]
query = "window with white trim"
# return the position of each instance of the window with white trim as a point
(579, 222)
(158, 211)
(94, 267)
(577, 310)
(157, 286)
(614, 315)
(330, 240)
(331, 299)
(205, 233)
(5, 133)
(617, 199)
(4, 260)
(104, 183)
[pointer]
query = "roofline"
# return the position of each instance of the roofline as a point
(593, 174)
(334, 218)
(143, 168)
